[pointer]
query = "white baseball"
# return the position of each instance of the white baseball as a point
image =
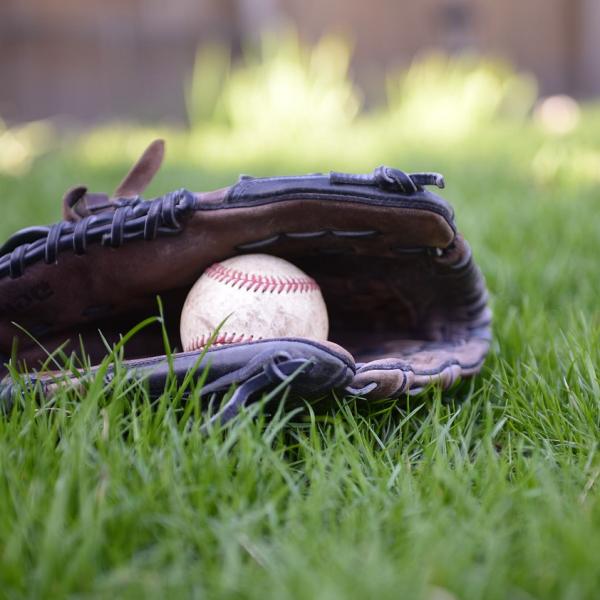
(258, 296)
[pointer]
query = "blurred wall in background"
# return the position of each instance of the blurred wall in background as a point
(103, 59)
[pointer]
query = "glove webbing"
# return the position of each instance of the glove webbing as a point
(133, 219)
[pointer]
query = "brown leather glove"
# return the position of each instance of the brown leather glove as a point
(407, 305)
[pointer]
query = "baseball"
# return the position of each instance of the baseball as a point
(257, 296)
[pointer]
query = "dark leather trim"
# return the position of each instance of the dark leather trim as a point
(317, 187)
(326, 369)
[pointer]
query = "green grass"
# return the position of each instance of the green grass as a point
(490, 491)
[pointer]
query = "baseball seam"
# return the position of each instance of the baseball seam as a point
(254, 282)
(221, 339)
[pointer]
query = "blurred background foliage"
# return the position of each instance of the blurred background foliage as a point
(287, 104)
(451, 97)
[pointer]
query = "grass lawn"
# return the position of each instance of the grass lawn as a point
(490, 491)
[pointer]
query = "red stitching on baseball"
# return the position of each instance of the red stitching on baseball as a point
(253, 282)
(222, 339)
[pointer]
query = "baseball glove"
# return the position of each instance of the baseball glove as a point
(407, 305)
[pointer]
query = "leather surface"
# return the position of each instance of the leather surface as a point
(404, 295)
(316, 369)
